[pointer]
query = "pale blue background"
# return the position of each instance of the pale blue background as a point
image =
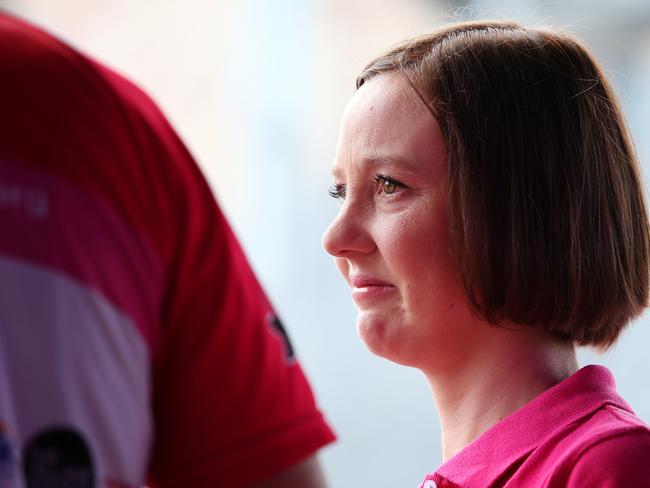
(256, 88)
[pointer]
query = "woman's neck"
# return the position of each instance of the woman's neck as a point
(505, 370)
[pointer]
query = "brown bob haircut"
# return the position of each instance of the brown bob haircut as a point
(547, 219)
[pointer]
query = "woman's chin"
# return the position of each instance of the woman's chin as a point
(382, 336)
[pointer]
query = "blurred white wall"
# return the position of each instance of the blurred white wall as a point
(256, 89)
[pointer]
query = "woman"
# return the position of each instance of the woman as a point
(492, 219)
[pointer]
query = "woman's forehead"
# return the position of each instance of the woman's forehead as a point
(389, 92)
(386, 121)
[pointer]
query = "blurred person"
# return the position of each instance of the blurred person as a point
(492, 219)
(136, 345)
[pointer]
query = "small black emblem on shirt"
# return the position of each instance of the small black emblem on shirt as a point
(277, 325)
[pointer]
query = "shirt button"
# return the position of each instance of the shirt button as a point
(429, 484)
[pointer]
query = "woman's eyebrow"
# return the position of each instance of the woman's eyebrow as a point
(336, 170)
(390, 160)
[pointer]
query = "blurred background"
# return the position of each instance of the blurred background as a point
(256, 89)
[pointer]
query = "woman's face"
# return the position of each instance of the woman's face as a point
(390, 239)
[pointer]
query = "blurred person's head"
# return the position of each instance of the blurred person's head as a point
(487, 177)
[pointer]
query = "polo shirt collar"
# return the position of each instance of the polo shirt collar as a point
(507, 443)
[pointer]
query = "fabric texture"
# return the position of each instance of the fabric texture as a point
(578, 434)
(136, 345)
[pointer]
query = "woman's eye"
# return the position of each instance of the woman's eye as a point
(387, 185)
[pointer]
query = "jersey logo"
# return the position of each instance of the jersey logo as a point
(284, 337)
(58, 457)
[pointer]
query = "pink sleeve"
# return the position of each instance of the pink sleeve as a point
(614, 462)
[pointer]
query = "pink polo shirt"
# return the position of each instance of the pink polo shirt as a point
(580, 433)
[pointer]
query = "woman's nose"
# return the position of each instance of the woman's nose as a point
(348, 234)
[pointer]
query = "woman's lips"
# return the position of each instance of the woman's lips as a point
(367, 288)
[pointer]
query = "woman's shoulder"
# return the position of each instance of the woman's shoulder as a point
(612, 448)
(622, 459)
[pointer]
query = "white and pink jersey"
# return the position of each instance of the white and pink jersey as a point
(136, 345)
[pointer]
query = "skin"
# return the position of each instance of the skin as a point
(306, 474)
(390, 242)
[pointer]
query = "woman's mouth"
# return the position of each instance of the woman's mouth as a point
(367, 288)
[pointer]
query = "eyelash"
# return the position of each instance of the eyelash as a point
(338, 190)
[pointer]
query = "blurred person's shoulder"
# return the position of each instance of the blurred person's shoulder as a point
(71, 121)
(57, 73)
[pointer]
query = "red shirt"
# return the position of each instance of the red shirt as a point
(578, 434)
(135, 342)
